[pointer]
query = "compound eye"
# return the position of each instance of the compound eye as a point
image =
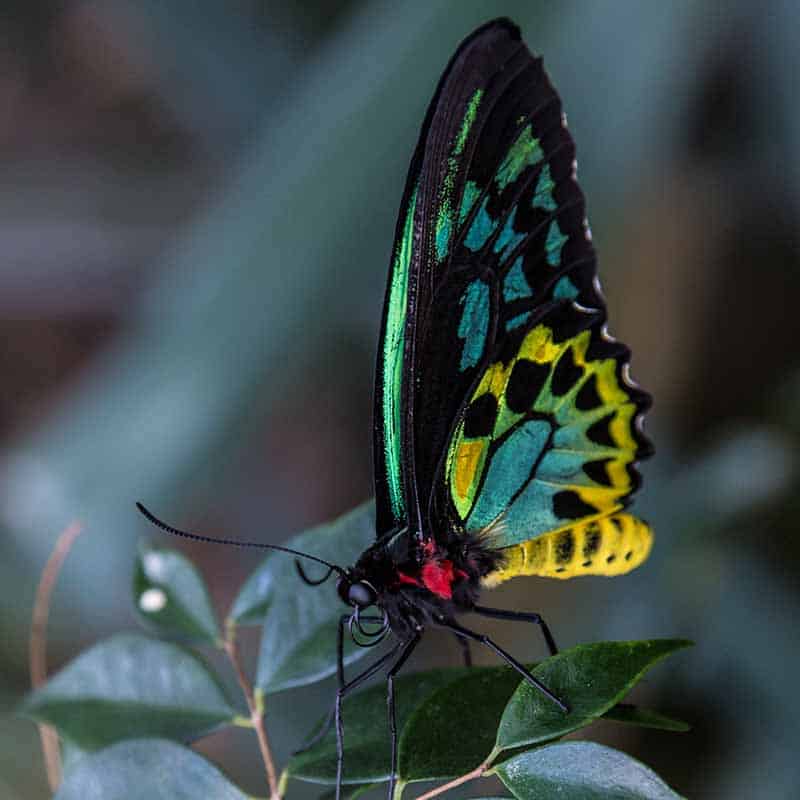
(361, 594)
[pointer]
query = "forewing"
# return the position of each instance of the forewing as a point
(491, 235)
(411, 408)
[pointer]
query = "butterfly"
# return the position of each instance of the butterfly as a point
(506, 427)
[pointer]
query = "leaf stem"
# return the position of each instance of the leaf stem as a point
(255, 703)
(478, 772)
(38, 644)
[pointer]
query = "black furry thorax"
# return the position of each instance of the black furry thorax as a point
(419, 581)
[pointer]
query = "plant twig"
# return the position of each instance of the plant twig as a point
(37, 653)
(478, 772)
(255, 703)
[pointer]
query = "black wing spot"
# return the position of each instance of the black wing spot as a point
(587, 397)
(565, 547)
(611, 559)
(526, 381)
(566, 374)
(596, 470)
(480, 416)
(568, 505)
(586, 564)
(591, 543)
(600, 431)
(617, 523)
(628, 555)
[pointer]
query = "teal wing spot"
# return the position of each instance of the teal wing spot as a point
(504, 477)
(508, 238)
(565, 289)
(481, 229)
(474, 324)
(443, 229)
(543, 196)
(525, 152)
(520, 319)
(530, 515)
(565, 467)
(571, 434)
(555, 241)
(471, 192)
(515, 284)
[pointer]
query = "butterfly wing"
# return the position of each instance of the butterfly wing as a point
(548, 443)
(417, 393)
(491, 246)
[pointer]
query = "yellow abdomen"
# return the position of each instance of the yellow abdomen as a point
(608, 546)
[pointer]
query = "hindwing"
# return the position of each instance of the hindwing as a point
(550, 434)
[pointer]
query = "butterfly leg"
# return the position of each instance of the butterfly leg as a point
(466, 654)
(328, 723)
(343, 690)
(408, 648)
(507, 657)
(521, 616)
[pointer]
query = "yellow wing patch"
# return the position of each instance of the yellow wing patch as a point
(469, 458)
(608, 546)
(583, 469)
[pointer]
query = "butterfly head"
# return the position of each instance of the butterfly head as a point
(357, 593)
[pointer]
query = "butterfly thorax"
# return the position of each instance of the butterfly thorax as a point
(419, 580)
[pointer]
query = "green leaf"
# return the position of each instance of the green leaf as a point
(146, 769)
(354, 792)
(644, 718)
(589, 678)
(581, 771)
(298, 645)
(453, 729)
(171, 596)
(366, 731)
(127, 687)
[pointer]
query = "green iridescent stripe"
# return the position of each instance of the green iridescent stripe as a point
(469, 119)
(393, 350)
(444, 216)
(525, 152)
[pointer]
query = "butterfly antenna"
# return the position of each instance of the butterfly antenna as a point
(235, 542)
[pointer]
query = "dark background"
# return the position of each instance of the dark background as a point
(197, 203)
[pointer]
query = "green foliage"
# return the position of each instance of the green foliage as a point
(490, 703)
(130, 686)
(589, 678)
(123, 706)
(171, 595)
(143, 769)
(299, 626)
(581, 771)
(645, 719)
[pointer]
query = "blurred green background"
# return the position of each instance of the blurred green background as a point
(197, 206)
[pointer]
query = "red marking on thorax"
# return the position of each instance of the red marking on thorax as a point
(437, 574)
(403, 578)
(438, 577)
